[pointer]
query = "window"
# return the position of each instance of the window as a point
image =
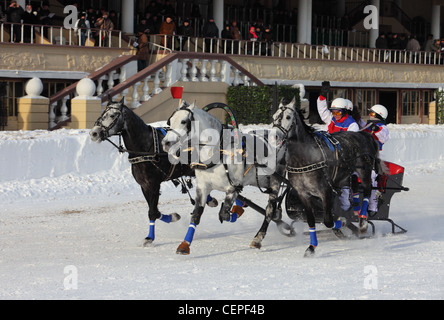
(11, 91)
(365, 99)
(410, 103)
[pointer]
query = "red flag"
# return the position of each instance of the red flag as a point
(176, 92)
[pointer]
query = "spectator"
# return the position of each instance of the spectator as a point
(381, 42)
(429, 45)
(29, 18)
(268, 39)
(441, 49)
(227, 43)
(210, 30)
(45, 17)
(186, 32)
(14, 15)
(143, 26)
(142, 50)
(113, 18)
(252, 37)
(91, 16)
(2, 15)
(154, 24)
(167, 30)
(82, 28)
(403, 41)
(235, 35)
(413, 44)
(105, 25)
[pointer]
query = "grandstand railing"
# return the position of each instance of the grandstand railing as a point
(296, 50)
(58, 35)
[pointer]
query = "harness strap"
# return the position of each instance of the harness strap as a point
(309, 168)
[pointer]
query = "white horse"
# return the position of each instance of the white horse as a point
(224, 160)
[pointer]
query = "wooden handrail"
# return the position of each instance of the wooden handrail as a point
(153, 68)
(113, 65)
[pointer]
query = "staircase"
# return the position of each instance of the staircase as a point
(205, 77)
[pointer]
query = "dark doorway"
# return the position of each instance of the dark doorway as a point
(389, 99)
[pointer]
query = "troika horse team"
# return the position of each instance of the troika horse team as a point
(320, 167)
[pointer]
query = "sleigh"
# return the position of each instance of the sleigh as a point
(389, 183)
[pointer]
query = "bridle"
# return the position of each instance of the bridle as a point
(278, 123)
(106, 129)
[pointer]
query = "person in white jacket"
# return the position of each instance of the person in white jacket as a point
(376, 125)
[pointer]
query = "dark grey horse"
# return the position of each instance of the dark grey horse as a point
(319, 165)
(149, 163)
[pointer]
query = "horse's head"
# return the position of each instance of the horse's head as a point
(109, 123)
(285, 117)
(180, 123)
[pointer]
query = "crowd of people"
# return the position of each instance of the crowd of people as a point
(88, 23)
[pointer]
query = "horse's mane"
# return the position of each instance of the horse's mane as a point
(309, 129)
(135, 118)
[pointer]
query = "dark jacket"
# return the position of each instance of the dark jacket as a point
(15, 14)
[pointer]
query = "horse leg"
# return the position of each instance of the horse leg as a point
(224, 212)
(310, 251)
(184, 247)
(271, 212)
(152, 197)
(366, 183)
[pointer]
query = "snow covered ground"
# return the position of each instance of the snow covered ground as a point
(72, 223)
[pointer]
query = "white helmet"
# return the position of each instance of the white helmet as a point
(349, 105)
(339, 103)
(380, 110)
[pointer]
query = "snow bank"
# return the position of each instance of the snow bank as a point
(39, 154)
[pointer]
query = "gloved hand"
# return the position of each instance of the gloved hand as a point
(375, 128)
(325, 89)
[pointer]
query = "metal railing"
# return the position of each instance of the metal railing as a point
(58, 35)
(297, 50)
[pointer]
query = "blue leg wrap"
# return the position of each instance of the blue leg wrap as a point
(233, 217)
(313, 237)
(166, 218)
(338, 224)
(364, 208)
(151, 234)
(238, 203)
(190, 234)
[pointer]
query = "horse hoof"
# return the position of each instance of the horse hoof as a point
(148, 242)
(213, 203)
(175, 217)
(183, 248)
(310, 252)
(255, 244)
(363, 225)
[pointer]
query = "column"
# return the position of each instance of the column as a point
(128, 16)
(302, 21)
(33, 109)
(309, 21)
(374, 33)
(218, 14)
(85, 108)
(436, 21)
